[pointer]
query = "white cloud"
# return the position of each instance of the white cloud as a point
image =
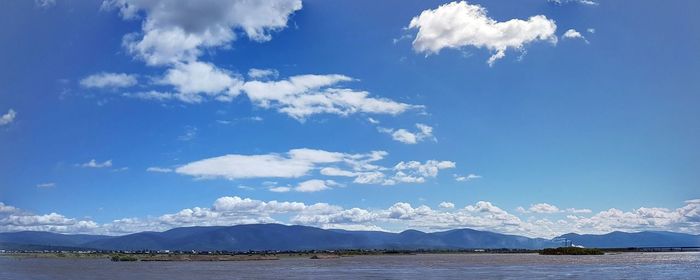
(280, 189)
(408, 137)
(584, 2)
(460, 24)
(305, 95)
(257, 74)
(159, 169)
(8, 117)
(543, 208)
(546, 208)
(94, 164)
(372, 121)
(6, 209)
(469, 177)
(109, 80)
(14, 219)
(196, 80)
(189, 134)
(296, 163)
(573, 34)
(301, 162)
(237, 204)
(298, 96)
(46, 185)
(482, 215)
(416, 172)
(579, 211)
(447, 205)
(179, 31)
(247, 166)
(176, 33)
(591, 30)
(333, 171)
(45, 4)
(315, 185)
(151, 95)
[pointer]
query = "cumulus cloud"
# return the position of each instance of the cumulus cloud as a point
(109, 80)
(361, 168)
(197, 80)
(483, 215)
(446, 205)
(305, 95)
(95, 164)
(8, 117)
(573, 34)
(546, 208)
(543, 208)
(15, 219)
(175, 34)
(416, 172)
(460, 24)
(408, 137)
(194, 82)
(315, 185)
(298, 96)
(179, 31)
(5, 209)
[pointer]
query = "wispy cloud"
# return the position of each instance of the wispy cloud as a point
(8, 117)
(467, 178)
(109, 80)
(46, 185)
(95, 164)
(410, 137)
(361, 168)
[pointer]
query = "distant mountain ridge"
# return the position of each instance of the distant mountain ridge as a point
(261, 237)
(618, 239)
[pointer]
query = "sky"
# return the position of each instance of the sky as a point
(536, 117)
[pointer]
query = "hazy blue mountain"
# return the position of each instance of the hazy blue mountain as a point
(618, 239)
(236, 238)
(48, 238)
(282, 237)
(34, 247)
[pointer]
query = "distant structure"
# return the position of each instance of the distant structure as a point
(564, 241)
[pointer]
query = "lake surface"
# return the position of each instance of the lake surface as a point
(432, 266)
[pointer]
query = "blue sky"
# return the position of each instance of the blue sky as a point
(568, 115)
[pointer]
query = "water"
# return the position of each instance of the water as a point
(457, 266)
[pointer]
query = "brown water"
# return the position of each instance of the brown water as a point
(457, 266)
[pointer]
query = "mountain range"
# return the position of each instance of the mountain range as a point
(259, 237)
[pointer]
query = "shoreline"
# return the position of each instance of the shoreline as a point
(182, 257)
